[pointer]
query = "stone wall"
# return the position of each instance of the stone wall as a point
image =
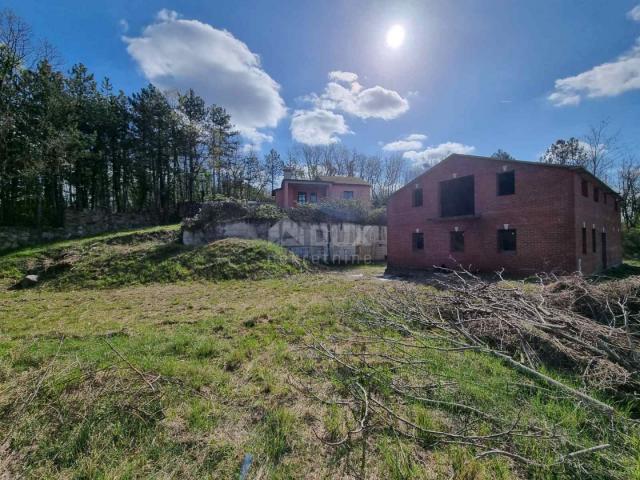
(325, 242)
(77, 224)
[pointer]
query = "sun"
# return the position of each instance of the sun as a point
(395, 36)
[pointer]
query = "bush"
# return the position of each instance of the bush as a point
(631, 243)
(230, 209)
(338, 211)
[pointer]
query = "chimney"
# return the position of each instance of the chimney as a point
(288, 173)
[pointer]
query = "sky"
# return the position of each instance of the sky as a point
(468, 76)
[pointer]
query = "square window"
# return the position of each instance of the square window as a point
(417, 197)
(302, 198)
(457, 241)
(457, 197)
(585, 188)
(347, 195)
(506, 183)
(418, 241)
(507, 240)
(313, 197)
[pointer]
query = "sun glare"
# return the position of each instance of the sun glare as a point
(395, 36)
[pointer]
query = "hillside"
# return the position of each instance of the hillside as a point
(137, 357)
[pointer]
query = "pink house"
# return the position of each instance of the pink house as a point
(295, 191)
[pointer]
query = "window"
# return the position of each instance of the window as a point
(584, 240)
(313, 197)
(418, 241)
(347, 195)
(457, 197)
(507, 240)
(417, 197)
(506, 183)
(593, 240)
(615, 205)
(457, 241)
(585, 188)
(302, 198)
(596, 194)
(319, 235)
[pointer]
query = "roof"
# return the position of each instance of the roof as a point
(342, 180)
(580, 170)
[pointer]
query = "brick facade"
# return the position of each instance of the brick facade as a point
(286, 196)
(547, 212)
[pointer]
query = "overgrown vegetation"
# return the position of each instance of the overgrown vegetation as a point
(147, 256)
(229, 209)
(190, 379)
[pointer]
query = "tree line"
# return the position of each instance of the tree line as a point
(70, 141)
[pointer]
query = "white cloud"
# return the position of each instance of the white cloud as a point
(433, 154)
(345, 94)
(175, 53)
(317, 127)
(166, 15)
(605, 80)
(634, 13)
(410, 142)
(124, 25)
(340, 76)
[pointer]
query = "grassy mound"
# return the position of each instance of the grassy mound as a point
(146, 256)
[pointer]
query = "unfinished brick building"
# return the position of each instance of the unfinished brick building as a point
(488, 214)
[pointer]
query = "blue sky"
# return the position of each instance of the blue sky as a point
(471, 75)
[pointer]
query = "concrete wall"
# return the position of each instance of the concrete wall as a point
(76, 224)
(325, 242)
(542, 211)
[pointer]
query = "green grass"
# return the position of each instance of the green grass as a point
(146, 256)
(213, 370)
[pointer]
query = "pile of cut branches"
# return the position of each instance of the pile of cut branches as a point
(384, 374)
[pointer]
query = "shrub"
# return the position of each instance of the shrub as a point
(631, 243)
(230, 209)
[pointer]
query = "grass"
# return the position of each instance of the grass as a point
(223, 356)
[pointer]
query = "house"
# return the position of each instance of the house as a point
(488, 214)
(295, 191)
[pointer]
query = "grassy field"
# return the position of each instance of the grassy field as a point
(140, 358)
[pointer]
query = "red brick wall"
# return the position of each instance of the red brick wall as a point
(333, 191)
(598, 215)
(541, 211)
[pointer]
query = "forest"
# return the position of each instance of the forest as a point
(71, 141)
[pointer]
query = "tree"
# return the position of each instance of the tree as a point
(566, 152)
(273, 166)
(629, 186)
(223, 146)
(600, 149)
(502, 155)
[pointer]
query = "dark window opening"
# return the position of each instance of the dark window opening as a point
(418, 241)
(506, 183)
(604, 198)
(457, 197)
(585, 188)
(302, 198)
(313, 197)
(615, 205)
(507, 240)
(584, 240)
(319, 235)
(417, 197)
(593, 240)
(596, 194)
(347, 195)
(457, 241)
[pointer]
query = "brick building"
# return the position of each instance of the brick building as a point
(295, 191)
(488, 214)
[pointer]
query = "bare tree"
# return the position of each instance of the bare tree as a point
(629, 186)
(600, 147)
